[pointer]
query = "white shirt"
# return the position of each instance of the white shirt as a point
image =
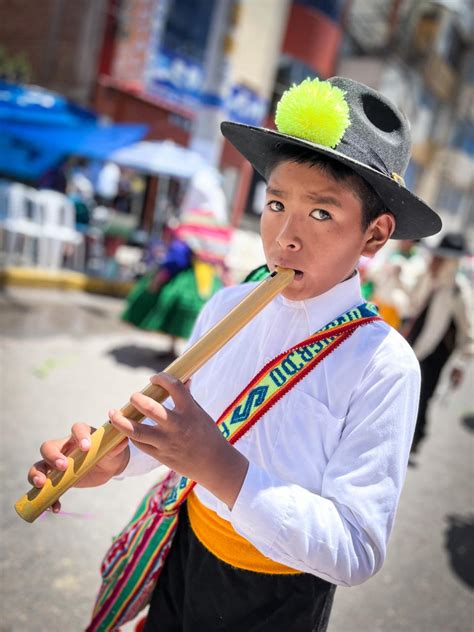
(108, 180)
(328, 461)
(205, 192)
(449, 297)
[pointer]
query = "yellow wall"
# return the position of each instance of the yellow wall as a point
(257, 43)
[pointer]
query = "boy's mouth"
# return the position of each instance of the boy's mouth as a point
(298, 273)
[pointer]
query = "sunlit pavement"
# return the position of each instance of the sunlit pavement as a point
(65, 357)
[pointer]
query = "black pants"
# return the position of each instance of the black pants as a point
(431, 368)
(197, 592)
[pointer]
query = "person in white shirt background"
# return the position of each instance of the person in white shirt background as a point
(390, 278)
(441, 328)
(312, 489)
(107, 184)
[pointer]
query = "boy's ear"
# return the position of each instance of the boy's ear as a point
(378, 233)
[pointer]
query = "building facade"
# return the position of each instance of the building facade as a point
(181, 66)
(53, 43)
(165, 73)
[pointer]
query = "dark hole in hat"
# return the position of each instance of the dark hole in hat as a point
(380, 114)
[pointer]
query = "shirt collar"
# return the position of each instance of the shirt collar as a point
(324, 308)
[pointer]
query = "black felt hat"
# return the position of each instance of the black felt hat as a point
(450, 245)
(375, 145)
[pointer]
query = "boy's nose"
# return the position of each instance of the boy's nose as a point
(288, 238)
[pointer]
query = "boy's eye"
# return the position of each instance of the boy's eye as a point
(320, 214)
(275, 205)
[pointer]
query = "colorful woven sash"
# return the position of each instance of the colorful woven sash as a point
(135, 559)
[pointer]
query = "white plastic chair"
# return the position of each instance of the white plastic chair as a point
(20, 220)
(58, 231)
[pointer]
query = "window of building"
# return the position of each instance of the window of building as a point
(425, 30)
(450, 45)
(331, 8)
(449, 199)
(187, 28)
(412, 175)
(463, 137)
(290, 71)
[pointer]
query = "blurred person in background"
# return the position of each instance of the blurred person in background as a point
(55, 178)
(185, 272)
(166, 257)
(80, 191)
(205, 193)
(79, 179)
(122, 200)
(107, 185)
(441, 326)
(389, 280)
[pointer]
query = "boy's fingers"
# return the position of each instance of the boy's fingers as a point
(37, 473)
(51, 453)
(122, 423)
(178, 391)
(139, 433)
(150, 408)
(144, 435)
(82, 435)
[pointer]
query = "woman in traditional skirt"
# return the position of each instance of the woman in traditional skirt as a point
(169, 300)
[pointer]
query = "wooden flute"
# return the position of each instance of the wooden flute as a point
(105, 438)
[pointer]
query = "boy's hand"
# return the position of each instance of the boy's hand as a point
(55, 451)
(185, 439)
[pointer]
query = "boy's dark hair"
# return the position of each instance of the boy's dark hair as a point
(372, 205)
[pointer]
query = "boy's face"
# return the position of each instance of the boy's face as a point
(312, 224)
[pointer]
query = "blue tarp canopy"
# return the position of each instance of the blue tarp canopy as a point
(38, 128)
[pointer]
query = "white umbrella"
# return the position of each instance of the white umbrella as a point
(160, 158)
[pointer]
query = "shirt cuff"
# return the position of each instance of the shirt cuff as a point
(262, 507)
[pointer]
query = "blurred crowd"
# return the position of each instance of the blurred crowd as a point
(75, 217)
(89, 216)
(425, 291)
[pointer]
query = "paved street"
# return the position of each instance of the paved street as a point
(65, 357)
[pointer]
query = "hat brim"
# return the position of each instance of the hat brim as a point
(447, 253)
(414, 218)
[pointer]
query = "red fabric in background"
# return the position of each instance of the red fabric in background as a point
(313, 38)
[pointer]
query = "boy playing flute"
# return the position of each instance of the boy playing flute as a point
(306, 499)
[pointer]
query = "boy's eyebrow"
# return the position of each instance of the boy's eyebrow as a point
(324, 199)
(274, 191)
(319, 198)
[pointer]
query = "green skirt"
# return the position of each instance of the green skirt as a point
(173, 309)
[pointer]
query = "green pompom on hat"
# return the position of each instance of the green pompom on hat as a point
(314, 110)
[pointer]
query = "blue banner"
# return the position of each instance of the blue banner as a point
(176, 78)
(245, 106)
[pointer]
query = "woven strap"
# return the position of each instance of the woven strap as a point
(275, 380)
